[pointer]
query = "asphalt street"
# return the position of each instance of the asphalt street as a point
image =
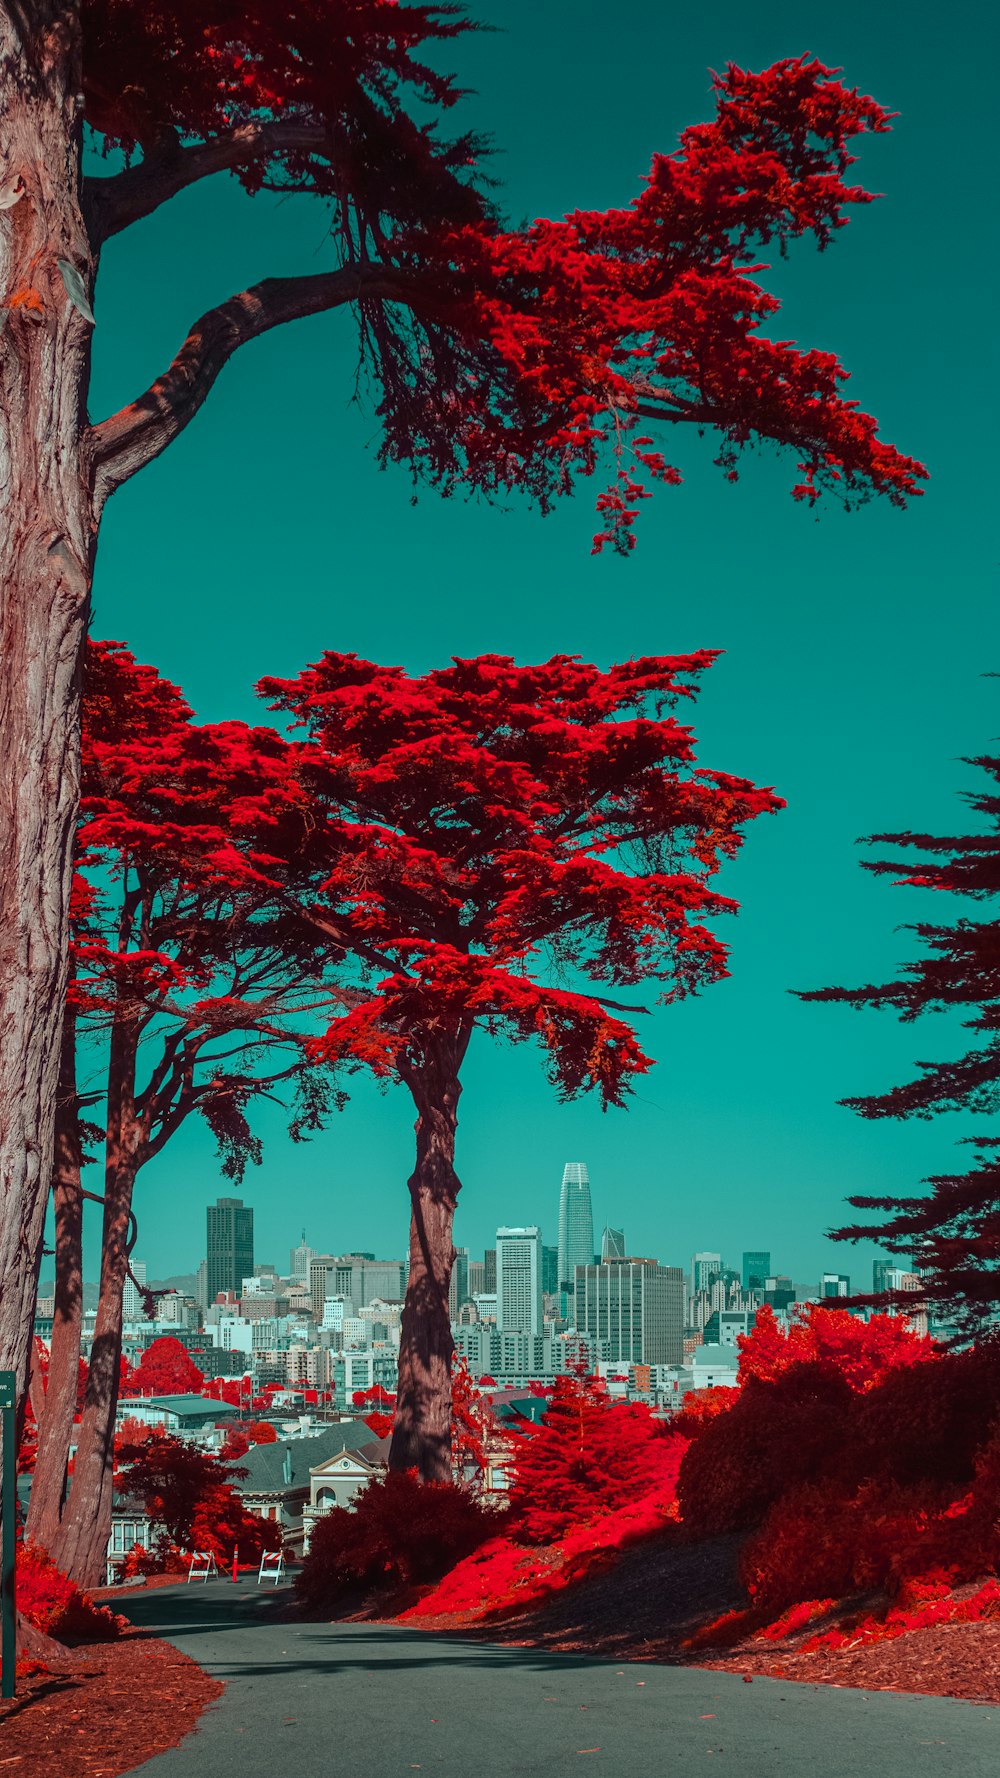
(323, 1699)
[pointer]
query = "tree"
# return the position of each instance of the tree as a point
(585, 1457)
(951, 1234)
(503, 358)
(200, 999)
(469, 843)
(190, 1493)
(165, 1368)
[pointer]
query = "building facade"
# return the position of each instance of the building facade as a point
(519, 1281)
(229, 1246)
(756, 1267)
(633, 1310)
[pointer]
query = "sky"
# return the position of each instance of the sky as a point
(855, 644)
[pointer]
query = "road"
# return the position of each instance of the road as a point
(319, 1699)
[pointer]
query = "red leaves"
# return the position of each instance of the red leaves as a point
(512, 357)
(474, 832)
(164, 1369)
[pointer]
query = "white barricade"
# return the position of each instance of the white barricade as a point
(203, 1566)
(272, 1566)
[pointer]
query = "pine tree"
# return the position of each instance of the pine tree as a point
(951, 1235)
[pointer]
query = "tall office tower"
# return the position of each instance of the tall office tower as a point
(756, 1267)
(458, 1290)
(230, 1245)
(636, 1306)
(201, 1286)
(477, 1277)
(576, 1223)
(322, 1282)
(881, 1271)
(834, 1284)
(519, 1281)
(612, 1245)
(550, 1270)
(299, 1259)
(131, 1293)
(490, 1270)
(704, 1267)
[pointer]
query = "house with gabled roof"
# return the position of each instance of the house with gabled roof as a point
(287, 1482)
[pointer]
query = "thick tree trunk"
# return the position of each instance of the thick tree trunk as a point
(81, 1541)
(48, 1486)
(46, 560)
(421, 1433)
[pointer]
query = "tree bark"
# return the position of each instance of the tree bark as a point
(55, 1428)
(81, 1541)
(421, 1433)
(46, 563)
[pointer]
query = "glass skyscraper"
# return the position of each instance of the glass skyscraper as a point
(612, 1245)
(230, 1246)
(756, 1268)
(576, 1223)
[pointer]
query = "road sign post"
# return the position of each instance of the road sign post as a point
(8, 1545)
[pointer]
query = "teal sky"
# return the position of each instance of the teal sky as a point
(855, 644)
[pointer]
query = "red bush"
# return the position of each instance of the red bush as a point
(261, 1432)
(586, 1457)
(56, 1605)
(400, 1532)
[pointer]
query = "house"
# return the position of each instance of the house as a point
(295, 1481)
(130, 1525)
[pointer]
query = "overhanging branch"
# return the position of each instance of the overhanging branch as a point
(130, 439)
(114, 203)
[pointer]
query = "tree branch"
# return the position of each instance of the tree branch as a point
(130, 439)
(113, 204)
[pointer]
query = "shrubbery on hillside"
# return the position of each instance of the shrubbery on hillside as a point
(400, 1532)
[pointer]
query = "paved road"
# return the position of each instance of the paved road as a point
(315, 1700)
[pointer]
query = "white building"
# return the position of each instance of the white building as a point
(519, 1280)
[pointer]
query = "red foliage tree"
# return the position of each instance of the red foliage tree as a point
(200, 1002)
(189, 1493)
(261, 1432)
(586, 1457)
(165, 1368)
(466, 842)
(503, 357)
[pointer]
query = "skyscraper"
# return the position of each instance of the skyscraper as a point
(490, 1269)
(458, 1290)
(300, 1257)
(704, 1267)
(612, 1245)
(635, 1307)
(519, 1281)
(756, 1267)
(550, 1270)
(131, 1292)
(230, 1246)
(576, 1223)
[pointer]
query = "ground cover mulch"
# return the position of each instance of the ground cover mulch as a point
(646, 1606)
(102, 1709)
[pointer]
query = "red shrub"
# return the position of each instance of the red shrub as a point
(400, 1532)
(585, 1458)
(56, 1605)
(261, 1432)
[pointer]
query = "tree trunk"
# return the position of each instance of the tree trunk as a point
(48, 1486)
(421, 1433)
(81, 1542)
(46, 562)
